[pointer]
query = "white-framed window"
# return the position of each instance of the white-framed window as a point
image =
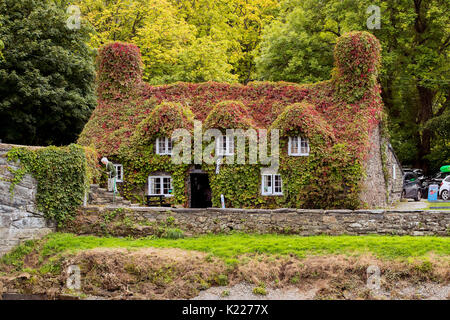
(298, 146)
(119, 170)
(225, 145)
(160, 186)
(164, 146)
(271, 185)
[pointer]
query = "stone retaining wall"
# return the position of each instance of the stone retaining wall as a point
(147, 221)
(19, 218)
(378, 190)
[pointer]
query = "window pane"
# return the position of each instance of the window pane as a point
(267, 184)
(169, 146)
(166, 185)
(224, 145)
(304, 147)
(230, 142)
(119, 171)
(151, 186)
(156, 188)
(277, 183)
(294, 145)
(162, 145)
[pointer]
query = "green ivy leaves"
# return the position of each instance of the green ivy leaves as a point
(62, 174)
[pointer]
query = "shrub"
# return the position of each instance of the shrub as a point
(173, 233)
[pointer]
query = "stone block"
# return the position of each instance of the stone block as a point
(5, 221)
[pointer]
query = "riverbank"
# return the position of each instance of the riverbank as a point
(320, 267)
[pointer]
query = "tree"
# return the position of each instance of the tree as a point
(2, 46)
(167, 31)
(46, 76)
(164, 37)
(116, 20)
(204, 60)
(415, 38)
(235, 24)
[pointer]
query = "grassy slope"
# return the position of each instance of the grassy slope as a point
(340, 262)
(230, 246)
(438, 204)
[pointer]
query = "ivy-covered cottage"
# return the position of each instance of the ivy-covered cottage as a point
(334, 152)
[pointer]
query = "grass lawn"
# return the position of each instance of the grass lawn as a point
(438, 204)
(231, 246)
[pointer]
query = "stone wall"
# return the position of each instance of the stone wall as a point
(380, 190)
(395, 181)
(19, 218)
(144, 221)
(373, 191)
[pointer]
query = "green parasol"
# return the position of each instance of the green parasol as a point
(445, 169)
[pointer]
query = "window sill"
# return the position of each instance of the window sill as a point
(225, 155)
(159, 195)
(299, 155)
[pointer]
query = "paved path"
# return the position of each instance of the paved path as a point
(411, 205)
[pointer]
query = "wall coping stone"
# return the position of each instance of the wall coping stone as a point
(339, 211)
(262, 211)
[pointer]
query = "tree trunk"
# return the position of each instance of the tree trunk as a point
(424, 113)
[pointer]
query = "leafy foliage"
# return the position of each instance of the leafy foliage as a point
(115, 57)
(161, 122)
(229, 114)
(46, 74)
(336, 116)
(63, 175)
(414, 36)
(184, 40)
(139, 154)
(357, 58)
(328, 177)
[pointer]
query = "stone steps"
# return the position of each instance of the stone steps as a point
(101, 196)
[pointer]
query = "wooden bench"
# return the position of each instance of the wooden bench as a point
(156, 201)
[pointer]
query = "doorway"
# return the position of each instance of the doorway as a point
(200, 191)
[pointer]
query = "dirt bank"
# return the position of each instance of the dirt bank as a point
(153, 273)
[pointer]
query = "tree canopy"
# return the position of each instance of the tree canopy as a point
(184, 40)
(46, 74)
(46, 69)
(415, 78)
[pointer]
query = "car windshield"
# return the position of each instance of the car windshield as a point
(409, 176)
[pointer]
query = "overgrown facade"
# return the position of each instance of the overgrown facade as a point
(333, 153)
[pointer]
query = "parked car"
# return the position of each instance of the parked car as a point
(436, 179)
(412, 188)
(419, 173)
(444, 190)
